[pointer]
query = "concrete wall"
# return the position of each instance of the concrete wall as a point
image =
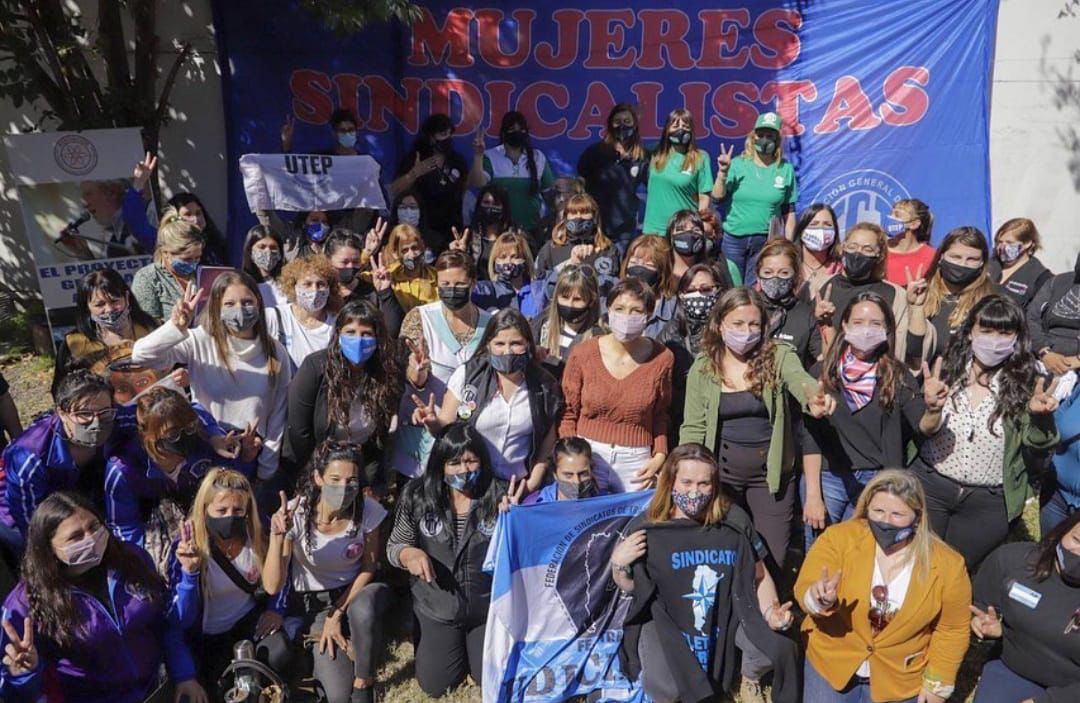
(1034, 141)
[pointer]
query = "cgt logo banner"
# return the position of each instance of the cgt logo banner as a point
(880, 100)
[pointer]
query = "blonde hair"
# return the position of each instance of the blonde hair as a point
(210, 320)
(690, 161)
(511, 241)
(882, 240)
(662, 507)
(580, 204)
(174, 236)
(658, 251)
(905, 486)
(401, 235)
(749, 152)
(938, 291)
(317, 264)
(219, 480)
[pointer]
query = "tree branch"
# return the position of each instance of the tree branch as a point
(113, 50)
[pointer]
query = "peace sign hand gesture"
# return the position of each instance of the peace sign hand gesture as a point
(183, 313)
(515, 492)
(281, 522)
(824, 309)
(986, 624)
(425, 414)
(819, 403)
(478, 143)
(141, 176)
(186, 551)
(419, 364)
(250, 443)
(461, 239)
(20, 654)
(935, 391)
(723, 159)
(779, 617)
(824, 591)
(375, 235)
(380, 274)
(916, 287)
(1042, 400)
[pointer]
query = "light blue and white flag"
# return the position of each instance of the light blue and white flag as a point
(556, 617)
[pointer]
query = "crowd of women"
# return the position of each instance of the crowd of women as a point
(265, 458)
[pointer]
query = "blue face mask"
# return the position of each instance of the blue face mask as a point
(316, 231)
(357, 349)
(463, 482)
(184, 268)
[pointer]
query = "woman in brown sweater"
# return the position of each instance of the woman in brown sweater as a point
(618, 393)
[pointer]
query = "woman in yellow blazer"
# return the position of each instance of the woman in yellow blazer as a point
(887, 603)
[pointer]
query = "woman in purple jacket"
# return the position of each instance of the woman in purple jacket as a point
(90, 616)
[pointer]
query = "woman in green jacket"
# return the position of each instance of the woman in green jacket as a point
(744, 394)
(983, 405)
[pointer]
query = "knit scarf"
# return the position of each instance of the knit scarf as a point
(858, 379)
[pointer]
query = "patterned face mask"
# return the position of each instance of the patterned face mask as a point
(697, 305)
(693, 503)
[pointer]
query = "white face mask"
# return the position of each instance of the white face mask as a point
(818, 238)
(992, 350)
(864, 338)
(87, 553)
(626, 327)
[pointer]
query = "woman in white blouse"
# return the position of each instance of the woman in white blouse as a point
(238, 371)
(305, 323)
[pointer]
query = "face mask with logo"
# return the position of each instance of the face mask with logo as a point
(411, 263)
(888, 536)
(87, 553)
(580, 229)
(766, 146)
(697, 305)
(1069, 564)
(239, 318)
(340, 496)
(347, 139)
(957, 274)
(646, 275)
(316, 231)
(508, 271)
(509, 363)
(1010, 252)
(818, 238)
(356, 348)
(266, 259)
(859, 267)
(992, 350)
(515, 138)
(346, 276)
(408, 216)
(624, 133)
(740, 341)
(680, 137)
(184, 269)
(688, 243)
(570, 490)
(93, 434)
(226, 526)
(776, 288)
(692, 503)
(568, 313)
(312, 299)
(112, 320)
(464, 481)
(626, 327)
(454, 297)
(864, 338)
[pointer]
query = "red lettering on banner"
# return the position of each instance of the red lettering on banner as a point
(694, 97)
(787, 94)
(778, 43)
(647, 93)
(499, 93)
(567, 23)
(664, 29)
(311, 96)
(472, 102)
(348, 90)
(528, 104)
(450, 41)
(851, 103)
(401, 106)
(734, 117)
(720, 34)
(905, 100)
(598, 104)
(605, 37)
(489, 30)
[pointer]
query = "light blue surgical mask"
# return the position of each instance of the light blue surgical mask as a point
(347, 139)
(463, 482)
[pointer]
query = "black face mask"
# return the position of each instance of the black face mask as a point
(491, 213)
(579, 229)
(514, 139)
(454, 297)
(571, 314)
(956, 274)
(624, 134)
(226, 527)
(680, 137)
(577, 491)
(443, 146)
(1069, 564)
(858, 267)
(889, 536)
(688, 243)
(644, 274)
(187, 445)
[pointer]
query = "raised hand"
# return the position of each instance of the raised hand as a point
(723, 159)
(581, 253)
(250, 443)
(181, 377)
(629, 550)
(419, 363)
(187, 553)
(184, 311)
(515, 493)
(478, 143)
(779, 616)
(281, 522)
(20, 654)
(986, 624)
(935, 391)
(373, 241)
(288, 128)
(1042, 400)
(916, 286)
(819, 403)
(425, 414)
(141, 175)
(824, 590)
(823, 306)
(461, 239)
(380, 273)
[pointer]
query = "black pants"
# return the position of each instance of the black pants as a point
(446, 653)
(971, 519)
(213, 653)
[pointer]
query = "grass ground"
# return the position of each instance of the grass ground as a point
(30, 377)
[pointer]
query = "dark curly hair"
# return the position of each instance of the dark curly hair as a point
(377, 382)
(310, 492)
(761, 371)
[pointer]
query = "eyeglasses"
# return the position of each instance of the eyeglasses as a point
(868, 250)
(583, 269)
(881, 613)
(176, 434)
(85, 417)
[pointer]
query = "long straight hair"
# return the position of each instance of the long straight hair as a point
(257, 234)
(662, 507)
(505, 319)
(572, 279)
(981, 287)
(220, 480)
(807, 216)
(581, 204)
(889, 370)
(635, 147)
(762, 366)
(431, 491)
(658, 251)
(517, 119)
(211, 321)
(664, 149)
(111, 283)
(905, 486)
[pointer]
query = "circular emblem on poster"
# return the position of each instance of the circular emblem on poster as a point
(866, 195)
(75, 154)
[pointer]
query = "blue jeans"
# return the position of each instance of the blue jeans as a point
(743, 251)
(840, 490)
(1000, 684)
(1055, 512)
(817, 690)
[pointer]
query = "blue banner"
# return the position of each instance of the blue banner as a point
(881, 100)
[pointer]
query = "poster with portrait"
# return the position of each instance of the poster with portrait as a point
(80, 211)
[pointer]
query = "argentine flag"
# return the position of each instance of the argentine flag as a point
(555, 620)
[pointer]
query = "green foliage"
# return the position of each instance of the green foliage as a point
(350, 16)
